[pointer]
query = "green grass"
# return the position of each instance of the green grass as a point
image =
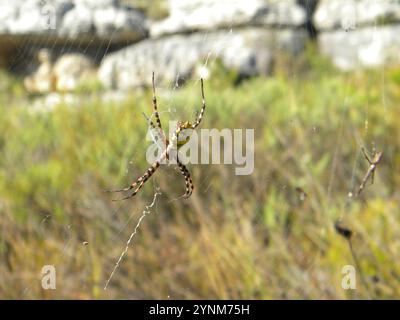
(237, 236)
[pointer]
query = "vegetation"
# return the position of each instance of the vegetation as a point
(155, 9)
(267, 235)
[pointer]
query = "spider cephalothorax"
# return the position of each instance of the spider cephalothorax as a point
(183, 132)
(180, 137)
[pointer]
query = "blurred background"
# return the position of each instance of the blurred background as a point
(316, 80)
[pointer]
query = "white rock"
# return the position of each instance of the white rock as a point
(187, 16)
(7, 15)
(95, 4)
(364, 47)
(72, 18)
(38, 16)
(71, 71)
(76, 22)
(67, 73)
(349, 14)
(109, 20)
(249, 51)
(30, 18)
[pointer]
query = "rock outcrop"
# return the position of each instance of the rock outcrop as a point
(364, 33)
(72, 18)
(90, 25)
(63, 74)
(364, 47)
(249, 51)
(348, 14)
(188, 16)
(245, 35)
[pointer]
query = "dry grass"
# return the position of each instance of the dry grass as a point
(237, 237)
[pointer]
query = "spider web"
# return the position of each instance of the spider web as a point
(145, 212)
(205, 185)
(169, 107)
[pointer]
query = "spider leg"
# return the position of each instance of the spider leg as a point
(366, 156)
(203, 107)
(151, 123)
(139, 182)
(155, 105)
(372, 176)
(156, 114)
(134, 192)
(188, 180)
(157, 133)
(124, 189)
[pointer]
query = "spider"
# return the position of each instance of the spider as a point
(371, 170)
(178, 139)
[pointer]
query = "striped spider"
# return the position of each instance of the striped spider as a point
(179, 138)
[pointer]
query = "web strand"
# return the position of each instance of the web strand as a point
(145, 212)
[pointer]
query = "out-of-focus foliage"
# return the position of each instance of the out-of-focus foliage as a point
(250, 236)
(155, 9)
(10, 88)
